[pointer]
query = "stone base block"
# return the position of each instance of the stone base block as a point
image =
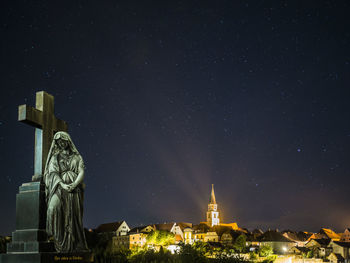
(28, 235)
(30, 247)
(79, 257)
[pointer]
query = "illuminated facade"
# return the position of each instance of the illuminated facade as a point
(131, 241)
(213, 213)
(188, 232)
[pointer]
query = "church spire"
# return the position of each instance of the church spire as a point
(213, 213)
(212, 196)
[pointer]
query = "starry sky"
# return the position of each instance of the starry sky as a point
(165, 98)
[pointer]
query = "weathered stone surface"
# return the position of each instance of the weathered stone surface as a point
(30, 206)
(30, 247)
(30, 235)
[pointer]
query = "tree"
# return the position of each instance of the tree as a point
(265, 251)
(194, 253)
(240, 243)
(203, 248)
(160, 238)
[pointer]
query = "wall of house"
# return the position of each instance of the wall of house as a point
(137, 240)
(211, 237)
(123, 229)
(338, 250)
(188, 237)
(121, 241)
(178, 231)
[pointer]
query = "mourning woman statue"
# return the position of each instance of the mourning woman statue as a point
(64, 187)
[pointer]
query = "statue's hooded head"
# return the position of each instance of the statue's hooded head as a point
(64, 137)
(55, 147)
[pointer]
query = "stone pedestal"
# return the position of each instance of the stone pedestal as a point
(30, 235)
(30, 242)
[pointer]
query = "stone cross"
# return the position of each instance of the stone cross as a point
(46, 125)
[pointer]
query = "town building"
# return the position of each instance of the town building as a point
(320, 247)
(301, 238)
(119, 228)
(136, 237)
(277, 241)
(342, 249)
(180, 227)
(188, 235)
(345, 237)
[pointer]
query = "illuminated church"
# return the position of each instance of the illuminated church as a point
(213, 216)
(213, 213)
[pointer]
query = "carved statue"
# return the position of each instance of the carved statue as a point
(63, 177)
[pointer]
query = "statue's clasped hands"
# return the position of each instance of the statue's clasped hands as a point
(68, 187)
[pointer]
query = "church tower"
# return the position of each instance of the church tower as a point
(213, 214)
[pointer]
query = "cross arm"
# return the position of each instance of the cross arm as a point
(30, 116)
(60, 125)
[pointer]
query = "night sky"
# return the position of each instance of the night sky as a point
(164, 98)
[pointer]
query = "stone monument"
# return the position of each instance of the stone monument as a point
(30, 240)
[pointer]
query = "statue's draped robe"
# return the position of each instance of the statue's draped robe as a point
(65, 210)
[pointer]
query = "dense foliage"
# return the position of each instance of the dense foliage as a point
(265, 251)
(240, 244)
(160, 238)
(199, 252)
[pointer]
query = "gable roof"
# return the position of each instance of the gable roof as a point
(317, 236)
(164, 227)
(330, 233)
(297, 236)
(323, 242)
(141, 229)
(273, 236)
(184, 225)
(109, 227)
